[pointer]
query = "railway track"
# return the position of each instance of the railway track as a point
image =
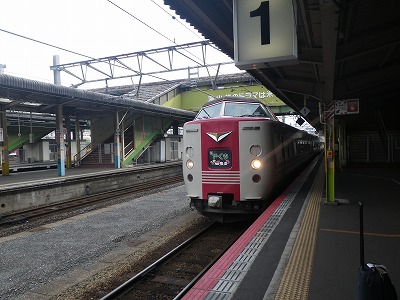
(9, 220)
(171, 276)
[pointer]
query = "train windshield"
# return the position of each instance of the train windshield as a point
(209, 112)
(243, 109)
(235, 109)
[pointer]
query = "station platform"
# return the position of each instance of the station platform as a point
(22, 190)
(20, 173)
(304, 248)
(300, 247)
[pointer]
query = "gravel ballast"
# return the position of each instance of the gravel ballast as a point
(51, 261)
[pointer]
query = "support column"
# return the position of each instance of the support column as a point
(60, 141)
(329, 25)
(117, 144)
(5, 162)
(330, 152)
(122, 140)
(59, 123)
(175, 129)
(68, 136)
(56, 72)
(163, 150)
(78, 139)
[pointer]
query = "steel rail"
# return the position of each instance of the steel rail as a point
(126, 286)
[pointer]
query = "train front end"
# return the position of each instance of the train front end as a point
(223, 160)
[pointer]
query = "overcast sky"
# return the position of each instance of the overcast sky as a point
(94, 28)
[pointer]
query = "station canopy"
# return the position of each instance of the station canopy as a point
(346, 50)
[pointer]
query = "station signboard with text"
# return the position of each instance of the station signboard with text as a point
(347, 107)
(264, 33)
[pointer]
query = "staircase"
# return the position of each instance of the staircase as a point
(367, 143)
(366, 148)
(100, 156)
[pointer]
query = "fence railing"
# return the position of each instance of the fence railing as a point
(82, 154)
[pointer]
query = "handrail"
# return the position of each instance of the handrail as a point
(129, 151)
(383, 135)
(146, 142)
(129, 146)
(87, 150)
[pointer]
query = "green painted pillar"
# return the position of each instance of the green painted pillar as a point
(330, 153)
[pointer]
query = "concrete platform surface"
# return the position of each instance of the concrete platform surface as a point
(337, 256)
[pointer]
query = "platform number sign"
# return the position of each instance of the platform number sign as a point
(264, 33)
(263, 12)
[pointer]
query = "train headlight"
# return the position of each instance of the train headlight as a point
(256, 164)
(189, 164)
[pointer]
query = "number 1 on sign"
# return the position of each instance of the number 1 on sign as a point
(263, 12)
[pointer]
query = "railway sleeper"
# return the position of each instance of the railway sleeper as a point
(171, 280)
(192, 270)
(146, 290)
(193, 260)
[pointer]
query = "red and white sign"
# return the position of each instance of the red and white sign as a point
(352, 106)
(347, 107)
(330, 112)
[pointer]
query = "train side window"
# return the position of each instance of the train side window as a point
(259, 112)
(301, 147)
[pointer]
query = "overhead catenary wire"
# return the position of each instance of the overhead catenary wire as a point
(147, 25)
(144, 23)
(197, 60)
(173, 17)
(44, 43)
(150, 27)
(64, 49)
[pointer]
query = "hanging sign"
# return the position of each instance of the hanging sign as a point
(347, 107)
(305, 111)
(264, 33)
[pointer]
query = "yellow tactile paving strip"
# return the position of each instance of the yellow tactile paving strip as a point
(296, 278)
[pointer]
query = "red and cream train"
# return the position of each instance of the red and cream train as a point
(238, 156)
